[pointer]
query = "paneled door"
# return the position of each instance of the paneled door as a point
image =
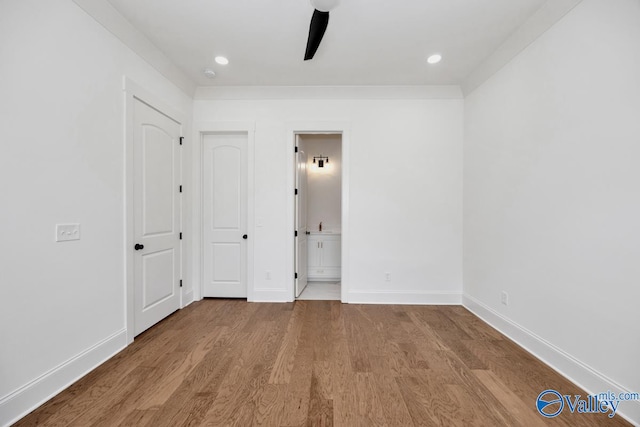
(156, 164)
(225, 214)
(301, 272)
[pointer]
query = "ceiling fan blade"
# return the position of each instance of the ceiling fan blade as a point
(319, 22)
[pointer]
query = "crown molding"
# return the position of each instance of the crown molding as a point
(107, 16)
(326, 92)
(545, 17)
(542, 20)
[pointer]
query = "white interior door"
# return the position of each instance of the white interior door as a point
(156, 164)
(225, 215)
(301, 222)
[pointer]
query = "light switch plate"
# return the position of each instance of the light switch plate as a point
(66, 232)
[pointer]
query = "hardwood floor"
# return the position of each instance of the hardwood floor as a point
(315, 363)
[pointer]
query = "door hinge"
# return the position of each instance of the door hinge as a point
(296, 276)
(180, 282)
(296, 192)
(295, 233)
(180, 235)
(181, 139)
(181, 188)
(296, 148)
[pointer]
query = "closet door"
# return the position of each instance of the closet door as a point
(225, 215)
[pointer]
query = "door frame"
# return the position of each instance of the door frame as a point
(299, 234)
(133, 91)
(197, 260)
(309, 128)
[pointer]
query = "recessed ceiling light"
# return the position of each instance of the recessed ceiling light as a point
(434, 59)
(208, 72)
(221, 60)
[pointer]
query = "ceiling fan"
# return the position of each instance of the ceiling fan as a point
(319, 22)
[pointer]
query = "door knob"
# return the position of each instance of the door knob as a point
(245, 237)
(138, 246)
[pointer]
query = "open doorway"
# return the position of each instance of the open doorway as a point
(318, 216)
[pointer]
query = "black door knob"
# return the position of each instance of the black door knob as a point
(244, 236)
(138, 246)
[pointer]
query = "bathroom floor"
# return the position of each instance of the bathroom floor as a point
(321, 291)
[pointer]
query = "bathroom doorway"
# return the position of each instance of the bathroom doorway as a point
(318, 216)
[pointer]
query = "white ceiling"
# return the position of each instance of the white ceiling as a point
(368, 42)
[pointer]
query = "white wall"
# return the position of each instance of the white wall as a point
(62, 308)
(552, 196)
(324, 185)
(405, 191)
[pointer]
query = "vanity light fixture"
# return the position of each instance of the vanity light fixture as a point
(321, 160)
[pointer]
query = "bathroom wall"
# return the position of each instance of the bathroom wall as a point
(324, 185)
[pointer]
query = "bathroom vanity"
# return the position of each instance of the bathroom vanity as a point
(324, 256)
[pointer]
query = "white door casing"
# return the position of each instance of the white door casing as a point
(156, 215)
(224, 209)
(301, 270)
(319, 127)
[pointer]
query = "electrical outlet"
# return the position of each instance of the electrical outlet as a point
(268, 275)
(65, 232)
(387, 276)
(504, 298)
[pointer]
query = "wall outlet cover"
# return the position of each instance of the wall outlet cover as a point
(504, 298)
(66, 232)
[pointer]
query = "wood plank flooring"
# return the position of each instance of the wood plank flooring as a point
(315, 363)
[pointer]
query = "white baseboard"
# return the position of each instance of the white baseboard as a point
(187, 298)
(566, 365)
(406, 298)
(271, 295)
(28, 397)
